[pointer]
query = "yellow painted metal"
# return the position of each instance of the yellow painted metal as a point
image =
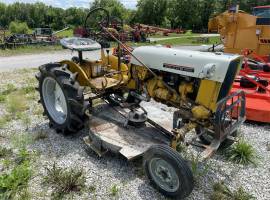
(141, 72)
(151, 87)
(208, 94)
(131, 84)
(239, 31)
(180, 134)
(184, 89)
(162, 93)
(82, 78)
(200, 112)
(112, 62)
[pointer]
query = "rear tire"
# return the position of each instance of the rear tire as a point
(65, 107)
(168, 172)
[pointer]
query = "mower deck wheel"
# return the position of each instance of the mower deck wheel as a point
(168, 172)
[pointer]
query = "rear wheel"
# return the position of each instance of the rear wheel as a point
(62, 98)
(168, 172)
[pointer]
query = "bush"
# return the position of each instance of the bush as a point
(18, 27)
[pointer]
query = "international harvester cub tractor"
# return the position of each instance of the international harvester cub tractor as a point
(105, 95)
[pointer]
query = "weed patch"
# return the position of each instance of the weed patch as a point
(13, 184)
(20, 141)
(198, 168)
(9, 89)
(5, 120)
(25, 119)
(28, 89)
(64, 181)
(114, 190)
(242, 153)
(222, 192)
(16, 103)
(4, 152)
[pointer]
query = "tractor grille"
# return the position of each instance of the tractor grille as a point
(229, 79)
(265, 41)
(263, 21)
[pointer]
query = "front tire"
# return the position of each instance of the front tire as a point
(61, 97)
(168, 172)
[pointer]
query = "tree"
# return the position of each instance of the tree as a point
(151, 12)
(18, 27)
(115, 7)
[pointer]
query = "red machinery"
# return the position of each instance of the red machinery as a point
(153, 30)
(254, 80)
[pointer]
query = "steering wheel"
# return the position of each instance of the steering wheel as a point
(96, 20)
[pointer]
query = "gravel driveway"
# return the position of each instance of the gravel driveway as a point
(112, 170)
(34, 60)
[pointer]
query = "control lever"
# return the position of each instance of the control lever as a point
(108, 53)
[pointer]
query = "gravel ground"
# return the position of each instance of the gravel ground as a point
(103, 173)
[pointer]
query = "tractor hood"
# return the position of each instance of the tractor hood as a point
(203, 65)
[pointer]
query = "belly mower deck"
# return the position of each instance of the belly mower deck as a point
(109, 132)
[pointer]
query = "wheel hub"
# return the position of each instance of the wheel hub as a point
(164, 174)
(54, 100)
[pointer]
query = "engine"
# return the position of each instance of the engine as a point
(200, 77)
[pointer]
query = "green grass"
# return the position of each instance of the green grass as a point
(14, 182)
(4, 120)
(64, 181)
(174, 42)
(242, 153)
(188, 41)
(21, 140)
(9, 89)
(222, 192)
(16, 103)
(189, 33)
(4, 152)
(30, 50)
(66, 33)
(114, 190)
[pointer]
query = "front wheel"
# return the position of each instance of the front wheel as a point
(168, 172)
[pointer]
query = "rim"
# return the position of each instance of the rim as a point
(164, 175)
(54, 100)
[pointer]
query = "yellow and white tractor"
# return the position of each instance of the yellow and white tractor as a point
(105, 95)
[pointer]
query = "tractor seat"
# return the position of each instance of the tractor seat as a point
(80, 44)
